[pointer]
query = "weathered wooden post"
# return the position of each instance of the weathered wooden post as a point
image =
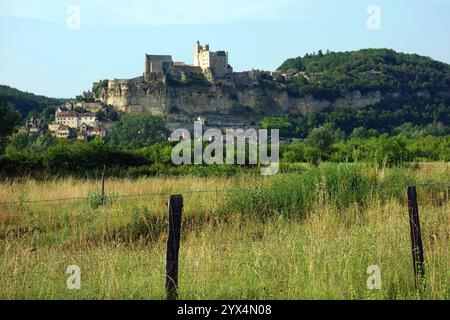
(173, 246)
(416, 237)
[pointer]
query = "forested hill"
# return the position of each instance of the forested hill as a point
(25, 102)
(335, 73)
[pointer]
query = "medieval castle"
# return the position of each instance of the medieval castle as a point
(213, 65)
(210, 86)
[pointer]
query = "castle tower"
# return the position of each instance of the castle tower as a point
(157, 63)
(215, 63)
(197, 50)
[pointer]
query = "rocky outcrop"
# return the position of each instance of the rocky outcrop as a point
(137, 95)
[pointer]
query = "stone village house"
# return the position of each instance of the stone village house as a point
(70, 123)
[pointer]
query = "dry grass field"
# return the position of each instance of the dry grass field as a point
(310, 234)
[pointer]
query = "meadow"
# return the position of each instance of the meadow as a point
(309, 233)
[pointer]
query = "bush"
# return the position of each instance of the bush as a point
(95, 199)
(294, 195)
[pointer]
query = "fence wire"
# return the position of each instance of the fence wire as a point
(183, 192)
(185, 267)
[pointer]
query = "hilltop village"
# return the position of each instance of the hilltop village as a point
(71, 120)
(168, 87)
(209, 90)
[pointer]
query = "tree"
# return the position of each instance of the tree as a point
(322, 138)
(159, 153)
(25, 102)
(280, 123)
(42, 143)
(18, 143)
(295, 152)
(136, 131)
(9, 118)
(362, 133)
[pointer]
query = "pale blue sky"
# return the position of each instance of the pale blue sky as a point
(40, 54)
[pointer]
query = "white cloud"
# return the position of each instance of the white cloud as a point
(144, 12)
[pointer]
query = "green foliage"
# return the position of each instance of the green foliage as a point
(190, 79)
(136, 131)
(393, 116)
(108, 114)
(79, 156)
(306, 189)
(8, 119)
(280, 123)
(390, 114)
(37, 156)
(96, 89)
(22, 142)
(414, 88)
(342, 72)
(294, 195)
(158, 153)
(145, 226)
(323, 137)
(25, 102)
(380, 150)
(95, 199)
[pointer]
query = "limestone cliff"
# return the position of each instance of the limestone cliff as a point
(159, 98)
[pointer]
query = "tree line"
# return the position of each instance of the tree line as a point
(138, 145)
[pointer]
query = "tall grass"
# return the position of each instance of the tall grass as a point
(338, 185)
(305, 235)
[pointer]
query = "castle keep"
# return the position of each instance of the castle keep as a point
(213, 65)
(211, 62)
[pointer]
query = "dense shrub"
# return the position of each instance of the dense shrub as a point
(306, 189)
(293, 195)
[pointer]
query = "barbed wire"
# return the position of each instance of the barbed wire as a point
(113, 197)
(185, 267)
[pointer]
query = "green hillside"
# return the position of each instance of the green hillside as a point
(26, 102)
(335, 73)
(415, 90)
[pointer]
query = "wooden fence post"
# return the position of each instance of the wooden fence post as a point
(173, 246)
(416, 237)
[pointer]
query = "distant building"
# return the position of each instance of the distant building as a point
(158, 63)
(213, 65)
(75, 120)
(90, 131)
(32, 126)
(69, 119)
(82, 136)
(87, 95)
(99, 132)
(63, 131)
(215, 62)
(69, 123)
